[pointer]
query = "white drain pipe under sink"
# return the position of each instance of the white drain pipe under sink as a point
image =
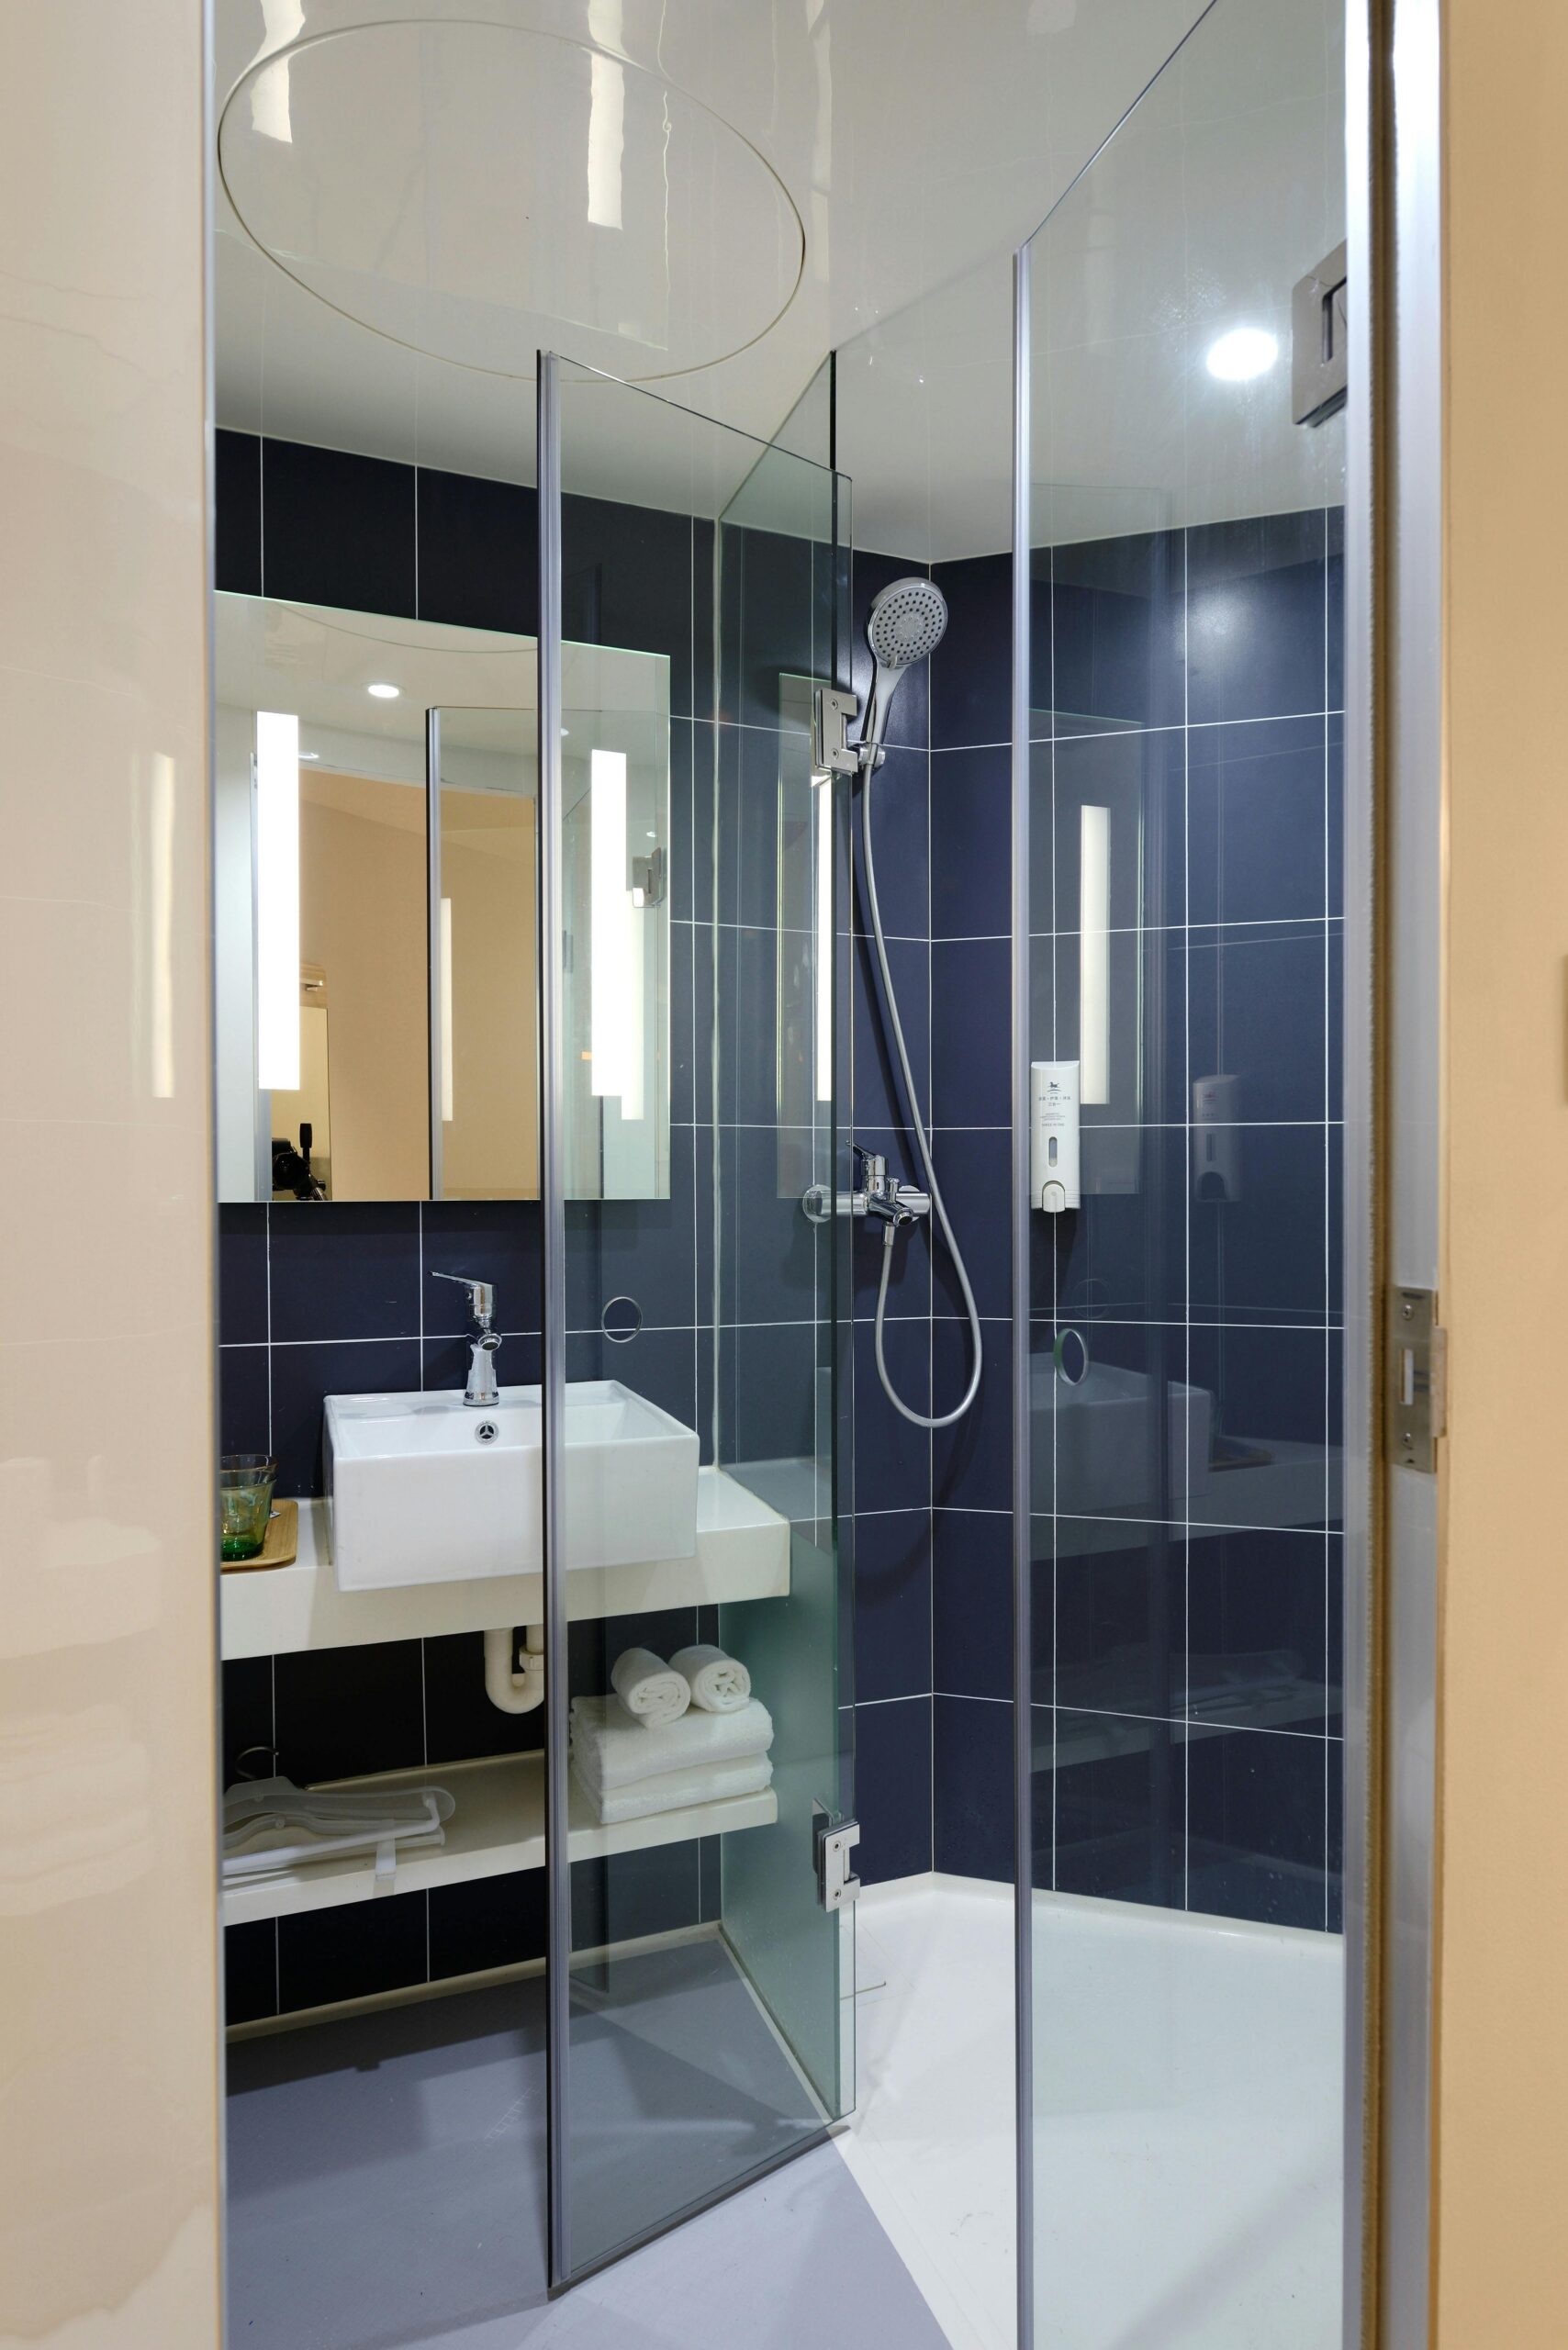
(515, 1692)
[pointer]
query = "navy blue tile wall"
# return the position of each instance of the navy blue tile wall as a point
(1187, 1581)
(475, 555)
(892, 1788)
(237, 502)
(341, 1300)
(892, 1605)
(338, 529)
(971, 1767)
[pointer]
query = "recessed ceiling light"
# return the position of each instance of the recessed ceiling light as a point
(384, 693)
(310, 754)
(1242, 354)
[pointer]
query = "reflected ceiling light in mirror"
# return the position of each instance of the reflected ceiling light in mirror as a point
(277, 902)
(385, 692)
(1243, 354)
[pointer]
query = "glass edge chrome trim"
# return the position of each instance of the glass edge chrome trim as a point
(432, 941)
(552, 1370)
(1357, 1136)
(1023, 1752)
(218, 1943)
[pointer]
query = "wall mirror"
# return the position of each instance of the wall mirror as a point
(375, 917)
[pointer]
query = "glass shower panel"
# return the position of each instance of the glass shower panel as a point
(697, 2032)
(1185, 1317)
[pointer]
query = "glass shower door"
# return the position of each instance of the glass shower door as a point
(1184, 1402)
(689, 946)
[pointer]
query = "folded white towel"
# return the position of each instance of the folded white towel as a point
(645, 1685)
(270, 1825)
(613, 1751)
(673, 1790)
(720, 1683)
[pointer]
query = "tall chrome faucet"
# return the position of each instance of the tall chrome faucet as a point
(481, 1387)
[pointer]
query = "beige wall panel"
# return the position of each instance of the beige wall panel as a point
(108, 1974)
(1502, 2055)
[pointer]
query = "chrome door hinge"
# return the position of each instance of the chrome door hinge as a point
(836, 1840)
(832, 751)
(1414, 1380)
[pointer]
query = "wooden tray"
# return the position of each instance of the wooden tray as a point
(281, 1546)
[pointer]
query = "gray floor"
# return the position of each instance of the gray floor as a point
(386, 2186)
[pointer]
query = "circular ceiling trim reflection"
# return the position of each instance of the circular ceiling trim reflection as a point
(588, 50)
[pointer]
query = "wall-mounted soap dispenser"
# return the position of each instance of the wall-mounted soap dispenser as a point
(1217, 1139)
(1054, 1183)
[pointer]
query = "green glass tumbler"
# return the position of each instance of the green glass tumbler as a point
(245, 1482)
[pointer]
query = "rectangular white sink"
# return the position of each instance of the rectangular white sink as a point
(1102, 1432)
(424, 1488)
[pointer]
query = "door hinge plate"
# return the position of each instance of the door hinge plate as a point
(836, 1883)
(832, 751)
(1414, 1380)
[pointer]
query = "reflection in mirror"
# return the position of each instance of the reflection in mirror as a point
(616, 861)
(485, 992)
(376, 939)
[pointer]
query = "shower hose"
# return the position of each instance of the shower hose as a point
(938, 1206)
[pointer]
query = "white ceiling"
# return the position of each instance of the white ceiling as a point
(1223, 188)
(705, 194)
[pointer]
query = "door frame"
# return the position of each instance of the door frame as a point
(1394, 865)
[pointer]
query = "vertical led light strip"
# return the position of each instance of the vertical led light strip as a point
(633, 1054)
(613, 915)
(1094, 955)
(277, 902)
(823, 959)
(446, 1010)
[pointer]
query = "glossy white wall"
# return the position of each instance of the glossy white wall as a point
(108, 1974)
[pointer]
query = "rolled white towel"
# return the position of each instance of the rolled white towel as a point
(612, 1751)
(720, 1683)
(650, 1690)
(673, 1790)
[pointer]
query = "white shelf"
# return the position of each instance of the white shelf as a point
(497, 1826)
(742, 1552)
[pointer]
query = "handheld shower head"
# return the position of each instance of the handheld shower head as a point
(906, 625)
(907, 622)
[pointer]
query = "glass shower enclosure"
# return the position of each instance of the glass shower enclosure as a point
(1180, 727)
(700, 1990)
